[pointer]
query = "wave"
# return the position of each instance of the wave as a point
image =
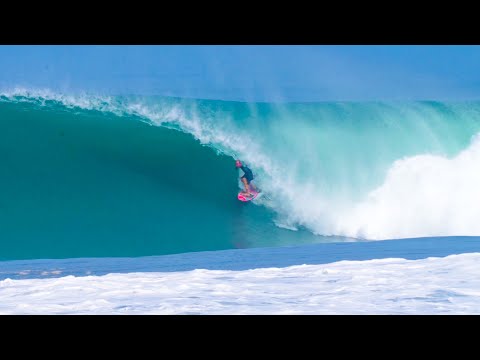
(371, 170)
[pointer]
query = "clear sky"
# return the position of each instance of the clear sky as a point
(255, 73)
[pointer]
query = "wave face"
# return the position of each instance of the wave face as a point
(88, 175)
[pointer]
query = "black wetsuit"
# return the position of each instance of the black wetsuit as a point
(247, 173)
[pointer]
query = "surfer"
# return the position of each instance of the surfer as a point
(246, 178)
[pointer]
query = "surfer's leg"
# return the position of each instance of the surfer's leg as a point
(245, 183)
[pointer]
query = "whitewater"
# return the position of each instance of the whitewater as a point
(448, 285)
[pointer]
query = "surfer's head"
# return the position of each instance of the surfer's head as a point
(238, 163)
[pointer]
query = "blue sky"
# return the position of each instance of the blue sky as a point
(252, 73)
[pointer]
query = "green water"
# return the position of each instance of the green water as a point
(89, 184)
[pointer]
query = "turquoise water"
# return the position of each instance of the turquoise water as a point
(85, 183)
(84, 176)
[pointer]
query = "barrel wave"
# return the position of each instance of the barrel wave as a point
(94, 176)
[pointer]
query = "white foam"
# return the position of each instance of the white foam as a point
(80, 100)
(449, 285)
(424, 195)
(421, 196)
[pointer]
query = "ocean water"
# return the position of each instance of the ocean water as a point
(109, 188)
(391, 285)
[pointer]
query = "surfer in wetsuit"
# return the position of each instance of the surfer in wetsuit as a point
(246, 178)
